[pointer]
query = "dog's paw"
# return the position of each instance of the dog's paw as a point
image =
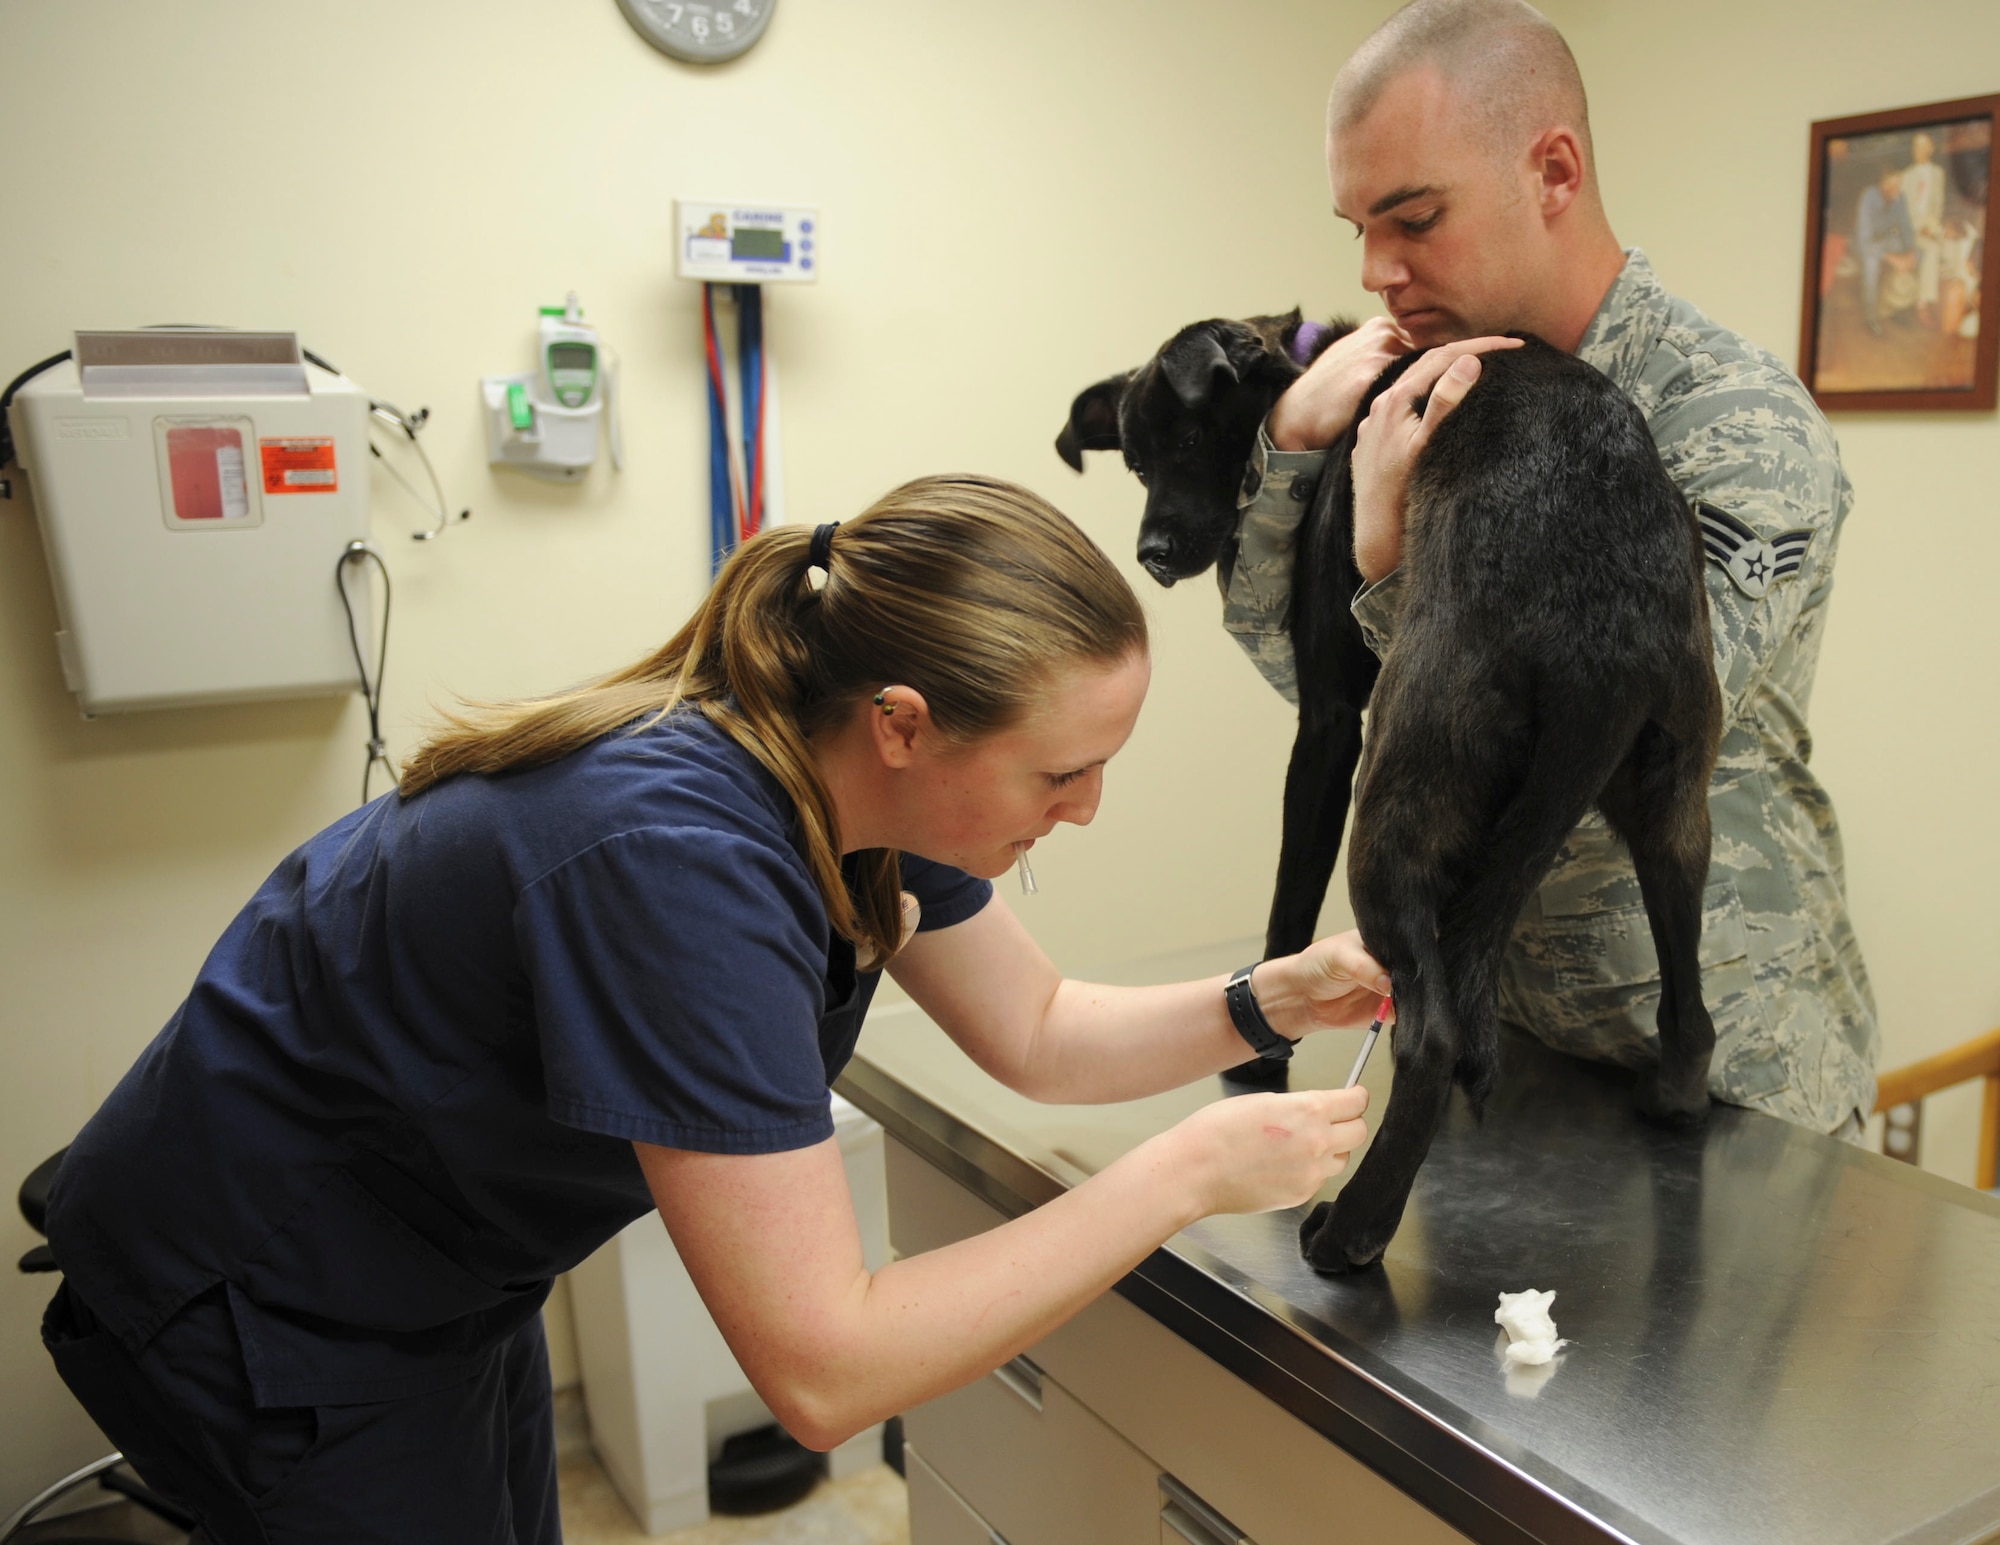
(1323, 1242)
(1669, 1106)
(1259, 1073)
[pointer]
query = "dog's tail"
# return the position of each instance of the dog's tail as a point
(1572, 759)
(1477, 1071)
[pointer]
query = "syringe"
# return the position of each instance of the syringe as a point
(1368, 1043)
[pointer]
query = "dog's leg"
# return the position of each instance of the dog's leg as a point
(1658, 803)
(1392, 879)
(1318, 786)
(1350, 1233)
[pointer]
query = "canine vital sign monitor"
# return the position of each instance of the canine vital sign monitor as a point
(746, 243)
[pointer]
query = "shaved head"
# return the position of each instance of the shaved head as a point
(1509, 70)
(1458, 147)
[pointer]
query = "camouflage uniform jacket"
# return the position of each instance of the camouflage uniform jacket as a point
(1782, 974)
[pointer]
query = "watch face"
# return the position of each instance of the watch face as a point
(701, 33)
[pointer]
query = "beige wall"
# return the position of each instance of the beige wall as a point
(1016, 199)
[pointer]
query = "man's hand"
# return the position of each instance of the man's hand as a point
(1391, 436)
(1317, 408)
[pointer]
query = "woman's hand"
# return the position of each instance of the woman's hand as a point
(1260, 1152)
(1389, 439)
(1332, 984)
(1317, 408)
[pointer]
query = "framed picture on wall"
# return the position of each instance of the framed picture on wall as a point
(1902, 281)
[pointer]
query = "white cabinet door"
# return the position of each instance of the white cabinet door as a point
(938, 1515)
(1165, 1407)
(1037, 1466)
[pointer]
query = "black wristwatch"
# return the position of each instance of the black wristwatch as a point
(1249, 1019)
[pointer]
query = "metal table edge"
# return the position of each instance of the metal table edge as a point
(1475, 1490)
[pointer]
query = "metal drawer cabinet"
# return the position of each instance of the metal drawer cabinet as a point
(1035, 1465)
(1237, 1455)
(939, 1515)
(1115, 1426)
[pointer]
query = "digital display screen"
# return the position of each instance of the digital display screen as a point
(572, 356)
(762, 244)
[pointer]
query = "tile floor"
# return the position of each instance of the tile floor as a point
(871, 1508)
(866, 1509)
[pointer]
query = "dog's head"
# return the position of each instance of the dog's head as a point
(1187, 422)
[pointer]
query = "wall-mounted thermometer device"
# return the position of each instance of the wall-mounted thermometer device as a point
(570, 365)
(545, 422)
(746, 243)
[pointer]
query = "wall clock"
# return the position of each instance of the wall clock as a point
(696, 32)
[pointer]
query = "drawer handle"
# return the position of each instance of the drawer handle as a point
(1023, 1378)
(1193, 1519)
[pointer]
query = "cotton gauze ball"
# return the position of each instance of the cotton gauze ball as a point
(1531, 1334)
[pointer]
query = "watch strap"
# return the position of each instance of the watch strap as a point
(1248, 1017)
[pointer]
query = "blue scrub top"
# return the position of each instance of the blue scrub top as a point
(402, 1093)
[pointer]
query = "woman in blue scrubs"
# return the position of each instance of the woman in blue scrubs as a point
(605, 952)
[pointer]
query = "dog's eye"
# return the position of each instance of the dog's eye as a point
(1136, 470)
(1190, 439)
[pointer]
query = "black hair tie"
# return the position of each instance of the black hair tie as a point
(820, 554)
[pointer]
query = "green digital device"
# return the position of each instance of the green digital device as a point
(571, 365)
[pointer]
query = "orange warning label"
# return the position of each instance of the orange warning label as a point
(301, 466)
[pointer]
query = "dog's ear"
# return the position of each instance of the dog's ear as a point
(1276, 333)
(1193, 364)
(1093, 420)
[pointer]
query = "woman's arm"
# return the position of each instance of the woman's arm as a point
(988, 984)
(831, 1347)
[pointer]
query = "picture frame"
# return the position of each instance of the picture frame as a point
(1900, 309)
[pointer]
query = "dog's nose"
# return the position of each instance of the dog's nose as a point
(1156, 558)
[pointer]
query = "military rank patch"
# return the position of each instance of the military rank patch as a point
(1752, 564)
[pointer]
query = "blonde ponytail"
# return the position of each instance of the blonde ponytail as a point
(971, 590)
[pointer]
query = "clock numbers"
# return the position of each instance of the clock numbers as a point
(697, 32)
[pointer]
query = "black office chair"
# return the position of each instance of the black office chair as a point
(109, 1472)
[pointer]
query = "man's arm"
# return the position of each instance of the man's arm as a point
(1386, 448)
(1278, 487)
(1290, 459)
(1758, 462)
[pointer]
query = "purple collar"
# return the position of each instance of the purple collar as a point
(1305, 340)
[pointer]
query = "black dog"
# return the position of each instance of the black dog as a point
(1552, 653)
(1187, 421)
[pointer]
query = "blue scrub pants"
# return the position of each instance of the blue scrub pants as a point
(473, 1464)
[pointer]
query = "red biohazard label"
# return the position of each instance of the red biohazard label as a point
(205, 464)
(301, 466)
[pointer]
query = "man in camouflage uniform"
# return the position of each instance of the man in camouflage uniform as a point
(1782, 975)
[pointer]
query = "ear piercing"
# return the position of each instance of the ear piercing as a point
(882, 701)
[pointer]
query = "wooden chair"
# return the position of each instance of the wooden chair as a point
(1899, 1096)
